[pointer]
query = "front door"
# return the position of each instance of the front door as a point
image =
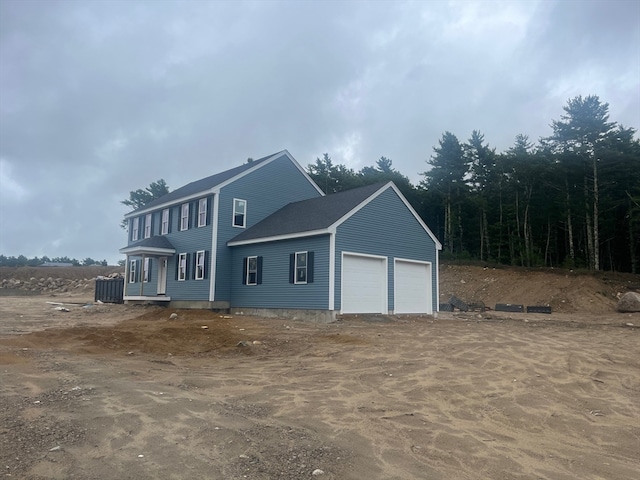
(162, 276)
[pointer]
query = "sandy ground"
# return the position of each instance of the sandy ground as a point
(118, 392)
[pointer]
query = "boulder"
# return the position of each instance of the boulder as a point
(629, 302)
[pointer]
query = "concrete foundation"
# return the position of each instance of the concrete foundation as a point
(316, 316)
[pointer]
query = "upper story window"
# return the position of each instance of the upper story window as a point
(239, 213)
(200, 256)
(184, 217)
(147, 225)
(301, 267)
(165, 222)
(135, 229)
(252, 271)
(202, 212)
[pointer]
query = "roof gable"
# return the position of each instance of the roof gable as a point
(204, 185)
(320, 215)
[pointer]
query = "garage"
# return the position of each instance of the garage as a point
(364, 284)
(412, 282)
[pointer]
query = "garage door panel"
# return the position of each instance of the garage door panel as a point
(412, 287)
(364, 284)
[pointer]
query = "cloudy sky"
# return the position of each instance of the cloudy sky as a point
(101, 98)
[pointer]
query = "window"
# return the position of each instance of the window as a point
(147, 225)
(182, 267)
(146, 270)
(239, 213)
(135, 227)
(165, 222)
(184, 217)
(132, 270)
(252, 271)
(200, 262)
(301, 268)
(202, 212)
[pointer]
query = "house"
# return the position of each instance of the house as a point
(263, 238)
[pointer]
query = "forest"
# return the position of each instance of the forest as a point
(571, 200)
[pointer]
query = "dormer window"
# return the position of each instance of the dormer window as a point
(239, 213)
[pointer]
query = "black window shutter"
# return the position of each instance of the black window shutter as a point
(259, 272)
(292, 268)
(309, 267)
(195, 261)
(177, 266)
(138, 277)
(193, 213)
(169, 221)
(186, 266)
(244, 270)
(208, 220)
(150, 268)
(206, 263)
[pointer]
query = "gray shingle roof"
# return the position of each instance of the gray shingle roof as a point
(202, 185)
(157, 241)
(309, 215)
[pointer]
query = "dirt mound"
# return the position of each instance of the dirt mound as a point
(565, 291)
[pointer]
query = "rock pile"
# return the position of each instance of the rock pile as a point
(48, 285)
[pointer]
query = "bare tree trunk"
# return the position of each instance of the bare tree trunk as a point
(486, 232)
(596, 233)
(590, 250)
(546, 247)
(527, 227)
(572, 252)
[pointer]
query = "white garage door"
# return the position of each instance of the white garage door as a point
(364, 284)
(412, 287)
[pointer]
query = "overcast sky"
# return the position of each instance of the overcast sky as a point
(101, 98)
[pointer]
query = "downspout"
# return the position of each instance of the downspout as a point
(141, 276)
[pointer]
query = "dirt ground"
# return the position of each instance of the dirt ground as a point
(124, 392)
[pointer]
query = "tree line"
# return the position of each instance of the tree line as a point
(572, 200)
(22, 261)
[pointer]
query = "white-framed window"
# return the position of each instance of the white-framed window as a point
(135, 229)
(202, 212)
(146, 270)
(252, 271)
(184, 217)
(200, 257)
(132, 271)
(147, 225)
(301, 267)
(165, 222)
(182, 267)
(239, 213)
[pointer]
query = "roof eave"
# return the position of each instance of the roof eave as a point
(277, 238)
(152, 251)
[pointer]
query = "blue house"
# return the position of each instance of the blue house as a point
(262, 238)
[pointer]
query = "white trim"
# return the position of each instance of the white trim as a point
(202, 201)
(162, 224)
(216, 188)
(244, 214)
(213, 258)
(247, 272)
(159, 298)
(147, 228)
(295, 267)
(139, 250)
(385, 305)
(395, 283)
(182, 217)
(332, 271)
(133, 266)
(195, 265)
(135, 232)
(275, 238)
(180, 257)
(436, 307)
(146, 274)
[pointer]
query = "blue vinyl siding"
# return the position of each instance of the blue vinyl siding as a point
(188, 241)
(266, 190)
(275, 291)
(385, 227)
(148, 288)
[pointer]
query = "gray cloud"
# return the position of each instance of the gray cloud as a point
(99, 98)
